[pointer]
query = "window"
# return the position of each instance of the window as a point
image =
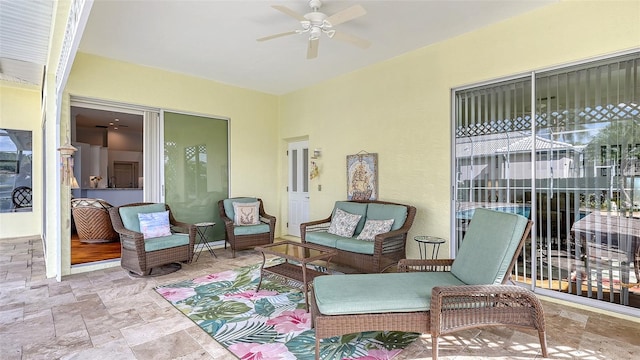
(16, 159)
(570, 164)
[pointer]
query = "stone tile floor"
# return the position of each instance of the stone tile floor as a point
(106, 314)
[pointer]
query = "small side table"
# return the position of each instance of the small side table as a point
(201, 231)
(424, 241)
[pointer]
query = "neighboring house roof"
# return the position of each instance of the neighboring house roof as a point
(510, 142)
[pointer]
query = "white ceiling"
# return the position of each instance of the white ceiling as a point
(216, 40)
(24, 40)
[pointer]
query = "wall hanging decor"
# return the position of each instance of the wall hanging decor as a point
(362, 176)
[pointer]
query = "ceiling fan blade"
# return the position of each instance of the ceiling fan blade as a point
(346, 15)
(289, 12)
(277, 35)
(312, 50)
(352, 39)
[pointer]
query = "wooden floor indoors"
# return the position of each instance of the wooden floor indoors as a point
(82, 253)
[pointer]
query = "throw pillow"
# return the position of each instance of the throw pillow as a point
(246, 213)
(154, 225)
(373, 228)
(343, 223)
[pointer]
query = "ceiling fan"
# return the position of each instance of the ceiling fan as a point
(316, 23)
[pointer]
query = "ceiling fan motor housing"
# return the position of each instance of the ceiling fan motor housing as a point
(316, 24)
(315, 4)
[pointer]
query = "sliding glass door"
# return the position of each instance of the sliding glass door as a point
(196, 163)
(575, 171)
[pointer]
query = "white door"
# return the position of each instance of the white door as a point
(298, 189)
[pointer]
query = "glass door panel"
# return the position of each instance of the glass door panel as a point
(589, 236)
(492, 150)
(196, 162)
(575, 172)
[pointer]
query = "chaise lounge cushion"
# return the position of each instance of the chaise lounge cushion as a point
(353, 293)
(491, 237)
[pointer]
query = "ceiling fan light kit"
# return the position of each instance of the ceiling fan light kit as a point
(316, 23)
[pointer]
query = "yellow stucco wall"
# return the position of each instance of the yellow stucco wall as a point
(401, 108)
(253, 117)
(20, 110)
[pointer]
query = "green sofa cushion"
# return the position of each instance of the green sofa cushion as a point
(251, 229)
(228, 205)
(388, 211)
(166, 242)
(488, 247)
(353, 293)
(322, 238)
(129, 214)
(355, 245)
(353, 208)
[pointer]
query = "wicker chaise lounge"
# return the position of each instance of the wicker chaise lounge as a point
(436, 296)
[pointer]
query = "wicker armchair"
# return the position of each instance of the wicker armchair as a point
(140, 260)
(484, 300)
(246, 237)
(92, 220)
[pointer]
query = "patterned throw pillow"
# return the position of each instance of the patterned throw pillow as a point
(343, 223)
(246, 213)
(373, 228)
(155, 224)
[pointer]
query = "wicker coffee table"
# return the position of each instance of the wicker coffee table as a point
(296, 257)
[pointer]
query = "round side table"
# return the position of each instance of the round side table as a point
(201, 232)
(423, 243)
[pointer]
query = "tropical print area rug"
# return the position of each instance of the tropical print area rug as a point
(271, 323)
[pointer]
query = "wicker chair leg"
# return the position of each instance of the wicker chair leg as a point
(434, 347)
(543, 343)
(317, 348)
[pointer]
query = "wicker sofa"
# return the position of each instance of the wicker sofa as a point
(362, 255)
(438, 296)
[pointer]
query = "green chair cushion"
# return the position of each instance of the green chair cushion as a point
(251, 229)
(166, 242)
(388, 211)
(353, 293)
(353, 208)
(488, 247)
(129, 214)
(355, 245)
(228, 205)
(322, 238)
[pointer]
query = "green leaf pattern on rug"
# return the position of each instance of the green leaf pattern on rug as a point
(264, 308)
(271, 323)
